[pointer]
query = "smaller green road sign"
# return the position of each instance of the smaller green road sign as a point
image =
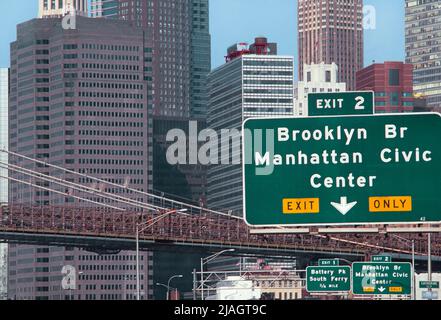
(371, 278)
(328, 262)
(341, 103)
(381, 259)
(429, 284)
(328, 279)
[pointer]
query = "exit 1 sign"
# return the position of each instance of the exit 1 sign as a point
(341, 103)
(328, 262)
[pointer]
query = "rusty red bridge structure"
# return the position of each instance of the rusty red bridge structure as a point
(112, 224)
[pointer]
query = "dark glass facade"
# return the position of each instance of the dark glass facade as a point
(179, 30)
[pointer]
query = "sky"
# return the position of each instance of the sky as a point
(233, 21)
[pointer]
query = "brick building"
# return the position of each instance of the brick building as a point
(392, 83)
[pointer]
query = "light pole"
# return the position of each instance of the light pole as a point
(413, 262)
(140, 227)
(168, 284)
(429, 263)
(205, 261)
(163, 285)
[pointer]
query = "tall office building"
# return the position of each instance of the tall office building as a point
(179, 30)
(423, 50)
(36, 273)
(56, 8)
(4, 130)
(200, 61)
(99, 8)
(78, 100)
(255, 82)
(180, 63)
(331, 31)
(4, 94)
(317, 78)
(392, 84)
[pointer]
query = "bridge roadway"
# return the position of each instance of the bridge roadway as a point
(115, 230)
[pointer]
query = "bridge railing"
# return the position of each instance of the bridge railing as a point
(204, 228)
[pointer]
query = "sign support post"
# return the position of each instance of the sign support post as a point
(429, 262)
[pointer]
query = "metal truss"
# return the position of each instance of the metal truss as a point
(117, 219)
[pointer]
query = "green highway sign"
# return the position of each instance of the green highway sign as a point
(341, 103)
(345, 170)
(329, 262)
(429, 284)
(381, 258)
(370, 278)
(328, 279)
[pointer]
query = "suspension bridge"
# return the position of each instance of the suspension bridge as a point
(108, 220)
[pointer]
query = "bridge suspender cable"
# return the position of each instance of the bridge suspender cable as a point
(117, 185)
(78, 187)
(62, 193)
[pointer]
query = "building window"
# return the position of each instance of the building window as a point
(394, 77)
(328, 76)
(308, 76)
(394, 99)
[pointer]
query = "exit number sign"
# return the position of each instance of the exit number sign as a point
(341, 103)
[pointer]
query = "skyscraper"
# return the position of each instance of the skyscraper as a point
(4, 130)
(36, 273)
(423, 51)
(179, 30)
(100, 7)
(255, 82)
(79, 100)
(4, 94)
(176, 86)
(200, 63)
(392, 83)
(331, 31)
(52, 8)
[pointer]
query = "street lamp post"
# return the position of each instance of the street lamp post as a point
(140, 227)
(413, 262)
(205, 261)
(162, 285)
(429, 262)
(168, 284)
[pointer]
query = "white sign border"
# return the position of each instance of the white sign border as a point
(324, 224)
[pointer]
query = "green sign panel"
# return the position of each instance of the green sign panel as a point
(429, 284)
(328, 279)
(370, 278)
(341, 103)
(329, 262)
(381, 259)
(348, 170)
